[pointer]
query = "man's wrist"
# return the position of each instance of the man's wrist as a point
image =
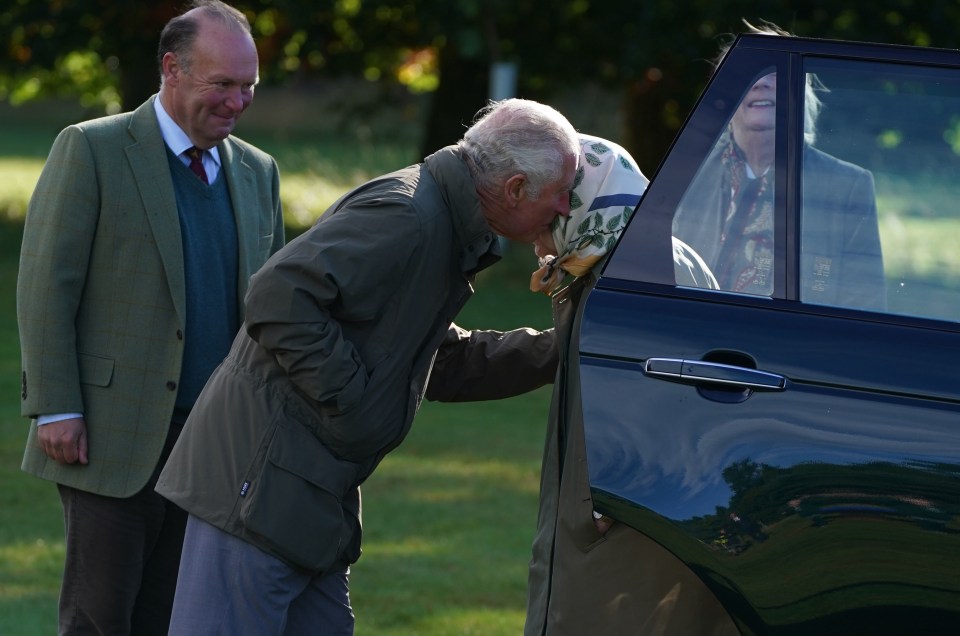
(56, 417)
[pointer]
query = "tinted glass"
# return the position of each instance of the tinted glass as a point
(880, 223)
(658, 248)
(726, 216)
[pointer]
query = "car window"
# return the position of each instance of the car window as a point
(726, 215)
(652, 250)
(854, 208)
(878, 213)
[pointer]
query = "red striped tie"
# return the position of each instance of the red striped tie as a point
(196, 163)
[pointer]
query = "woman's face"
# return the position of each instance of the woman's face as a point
(758, 110)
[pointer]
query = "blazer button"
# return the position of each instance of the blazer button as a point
(179, 334)
(171, 385)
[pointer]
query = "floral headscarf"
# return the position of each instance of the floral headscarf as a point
(607, 188)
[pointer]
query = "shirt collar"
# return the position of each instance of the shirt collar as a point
(173, 135)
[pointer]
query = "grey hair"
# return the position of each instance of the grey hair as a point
(518, 136)
(811, 101)
(180, 32)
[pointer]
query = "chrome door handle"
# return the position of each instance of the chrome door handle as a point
(699, 372)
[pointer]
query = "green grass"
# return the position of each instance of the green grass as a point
(31, 526)
(448, 522)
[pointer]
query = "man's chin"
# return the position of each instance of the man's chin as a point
(539, 250)
(223, 130)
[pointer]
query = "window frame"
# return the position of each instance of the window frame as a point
(644, 251)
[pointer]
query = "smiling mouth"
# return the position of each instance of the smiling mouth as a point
(762, 103)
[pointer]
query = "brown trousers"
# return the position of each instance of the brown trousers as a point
(123, 555)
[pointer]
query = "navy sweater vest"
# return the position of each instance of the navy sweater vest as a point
(210, 256)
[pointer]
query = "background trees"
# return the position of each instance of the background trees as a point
(655, 54)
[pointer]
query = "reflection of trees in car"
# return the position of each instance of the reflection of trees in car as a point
(764, 495)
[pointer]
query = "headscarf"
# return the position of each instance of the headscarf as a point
(605, 192)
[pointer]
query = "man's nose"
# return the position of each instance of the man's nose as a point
(235, 99)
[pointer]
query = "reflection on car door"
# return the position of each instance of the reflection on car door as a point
(796, 444)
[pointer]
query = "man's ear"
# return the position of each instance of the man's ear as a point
(171, 68)
(513, 189)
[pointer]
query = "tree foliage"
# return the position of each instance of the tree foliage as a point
(96, 50)
(656, 53)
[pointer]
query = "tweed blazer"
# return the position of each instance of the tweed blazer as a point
(101, 290)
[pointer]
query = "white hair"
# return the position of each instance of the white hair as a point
(518, 136)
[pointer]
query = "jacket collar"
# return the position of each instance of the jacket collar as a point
(479, 246)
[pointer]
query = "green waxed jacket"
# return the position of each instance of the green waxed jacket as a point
(342, 328)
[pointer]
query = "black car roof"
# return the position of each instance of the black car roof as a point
(863, 50)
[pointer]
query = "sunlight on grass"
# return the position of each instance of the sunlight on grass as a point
(410, 546)
(464, 622)
(27, 569)
(447, 472)
(911, 248)
(19, 177)
(918, 226)
(305, 195)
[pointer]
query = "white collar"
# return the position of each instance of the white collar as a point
(173, 135)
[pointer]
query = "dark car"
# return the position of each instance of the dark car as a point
(792, 433)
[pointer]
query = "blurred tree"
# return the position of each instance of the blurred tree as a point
(656, 53)
(101, 51)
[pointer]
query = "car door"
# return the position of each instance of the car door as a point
(793, 433)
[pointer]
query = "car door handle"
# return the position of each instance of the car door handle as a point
(698, 371)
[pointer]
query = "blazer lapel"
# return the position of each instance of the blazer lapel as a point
(241, 182)
(147, 157)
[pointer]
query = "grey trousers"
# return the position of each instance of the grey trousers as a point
(230, 587)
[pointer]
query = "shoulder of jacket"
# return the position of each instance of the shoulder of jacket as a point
(108, 124)
(834, 165)
(248, 150)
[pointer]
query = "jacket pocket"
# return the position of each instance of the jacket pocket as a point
(293, 505)
(377, 420)
(95, 370)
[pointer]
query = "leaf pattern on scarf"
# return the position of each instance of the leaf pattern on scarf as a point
(606, 178)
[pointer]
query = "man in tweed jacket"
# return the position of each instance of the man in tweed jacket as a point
(131, 272)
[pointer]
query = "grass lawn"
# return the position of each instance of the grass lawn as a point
(448, 517)
(31, 527)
